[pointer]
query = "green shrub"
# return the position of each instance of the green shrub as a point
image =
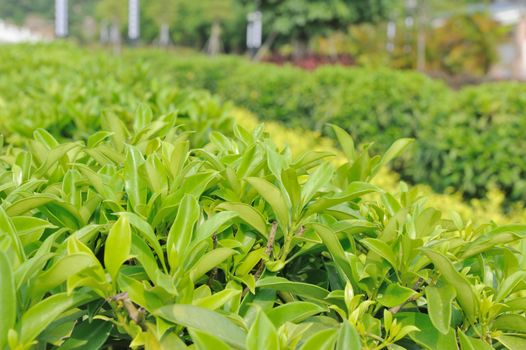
(169, 227)
(468, 140)
(480, 143)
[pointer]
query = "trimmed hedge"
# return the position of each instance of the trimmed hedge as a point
(479, 144)
(469, 140)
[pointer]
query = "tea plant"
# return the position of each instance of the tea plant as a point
(151, 235)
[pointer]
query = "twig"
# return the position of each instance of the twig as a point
(300, 231)
(213, 274)
(268, 252)
(136, 315)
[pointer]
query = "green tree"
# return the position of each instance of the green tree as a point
(17, 10)
(300, 20)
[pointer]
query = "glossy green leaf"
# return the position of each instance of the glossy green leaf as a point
(512, 342)
(469, 343)
(294, 312)
(322, 340)
(395, 295)
(8, 299)
(428, 336)
(209, 261)
(346, 142)
(118, 246)
(262, 334)
(205, 321)
(348, 338)
(439, 300)
(464, 290)
(35, 320)
(274, 197)
(205, 341)
(382, 249)
(298, 288)
(181, 232)
(248, 214)
(60, 271)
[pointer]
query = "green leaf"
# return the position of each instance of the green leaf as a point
(60, 271)
(320, 178)
(180, 234)
(394, 151)
(468, 343)
(209, 261)
(143, 117)
(29, 228)
(205, 341)
(510, 322)
(248, 214)
(346, 142)
(262, 334)
(395, 295)
(98, 138)
(507, 286)
(35, 320)
(322, 340)
(118, 246)
(331, 242)
(212, 225)
(485, 242)
(295, 312)
(274, 197)
(429, 336)
(147, 232)
(135, 186)
(8, 300)
(290, 182)
(88, 335)
(355, 190)
(382, 249)
(8, 228)
(250, 261)
(465, 294)
(439, 301)
(297, 288)
(217, 300)
(512, 342)
(204, 320)
(348, 337)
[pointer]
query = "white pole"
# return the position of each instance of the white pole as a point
(133, 19)
(61, 18)
(254, 30)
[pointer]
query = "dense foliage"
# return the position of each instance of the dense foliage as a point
(457, 132)
(479, 143)
(143, 215)
(468, 140)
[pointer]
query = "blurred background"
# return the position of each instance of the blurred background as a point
(460, 41)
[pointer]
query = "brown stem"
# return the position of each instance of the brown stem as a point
(213, 274)
(136, 315)
(268, 251)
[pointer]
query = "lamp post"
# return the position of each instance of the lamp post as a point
(61, 18)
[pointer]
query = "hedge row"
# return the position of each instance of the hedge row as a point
(470, 140)
(182, 230)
